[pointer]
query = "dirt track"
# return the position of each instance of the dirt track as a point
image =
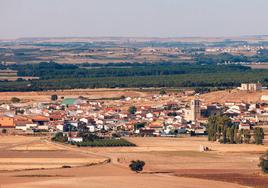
(176, 161)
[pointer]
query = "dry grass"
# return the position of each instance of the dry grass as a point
(233, 96)
(19, 152)
(89, 93)
(178, 158)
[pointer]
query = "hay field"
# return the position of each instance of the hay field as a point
(20, 153)
(170, 163)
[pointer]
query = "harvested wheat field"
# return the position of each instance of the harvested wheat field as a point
(170, 162)
(233, 96)
(74, 93)
(21, 153)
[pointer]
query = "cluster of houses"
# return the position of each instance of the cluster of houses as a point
(72, 115)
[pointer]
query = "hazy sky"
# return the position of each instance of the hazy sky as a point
(157, 18)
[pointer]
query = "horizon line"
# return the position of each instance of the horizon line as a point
(135, 37)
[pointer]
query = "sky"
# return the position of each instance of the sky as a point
(132, 18)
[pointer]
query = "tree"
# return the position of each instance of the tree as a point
(224, 139)
(258, 135)
(212, 128)
(59, 137)
(217, 126)
(232, 134)
(162, 92)
(139, 125)
(54, 97)
(122, 97)
(88, 137)
(264, 162)
(236, 136)
(137, 166)
(132, 110)
(4, 131)
(247, 136)
(228, 135)
(15, 100)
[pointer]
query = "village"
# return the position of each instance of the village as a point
(160, 114)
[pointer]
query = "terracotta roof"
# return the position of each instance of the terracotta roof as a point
(22, 123)
(39, 118)
(6, 121)
(56, 116)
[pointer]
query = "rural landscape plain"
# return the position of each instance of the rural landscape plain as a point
(132, 93)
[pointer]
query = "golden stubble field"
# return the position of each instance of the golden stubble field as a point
(145, 96)
(138, 97)
(45, 96)
(234, 95)
(170, 162)
(30, 153)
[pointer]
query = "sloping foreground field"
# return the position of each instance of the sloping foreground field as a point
(131, 181)
(28, 153)
(103, 176)
(170, 163)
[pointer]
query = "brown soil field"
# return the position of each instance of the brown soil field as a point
(170, 162)
(233, 96)
(89, 93)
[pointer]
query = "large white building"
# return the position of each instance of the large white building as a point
(251, 87)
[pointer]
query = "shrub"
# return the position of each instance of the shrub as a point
(66, 166)
(54, 97)
(162, 92)
(132, 110)
(15, 100)
(59, 137)
(4, 131)
(264, 162)
(137, 166)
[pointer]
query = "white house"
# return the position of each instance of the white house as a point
(77, 139)
(149, 115)
(91, 128)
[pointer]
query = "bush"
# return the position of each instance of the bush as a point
(66, 166)
(4, 131)
(88, 137)
(137, 166)
(54, 97)
(132, 110)
(264, 162)
(162, 92)
(59, 137)
(106, 143)
(15, 100)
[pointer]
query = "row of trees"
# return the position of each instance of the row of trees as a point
(55, 76)
(105, 143)
(52, 70)
(220, 80)
(220, 128)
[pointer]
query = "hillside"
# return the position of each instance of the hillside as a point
(233, 96)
